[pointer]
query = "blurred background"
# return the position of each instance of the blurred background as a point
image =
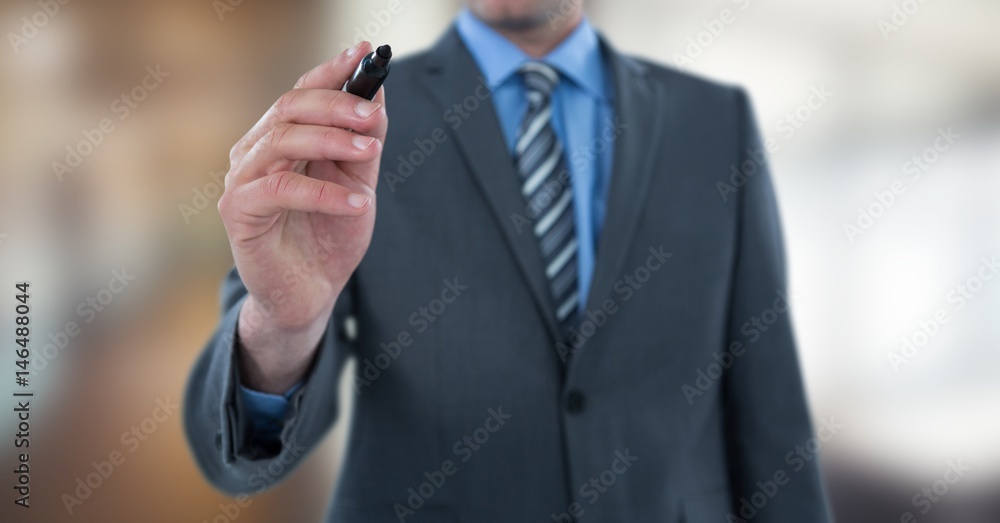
(884, 123)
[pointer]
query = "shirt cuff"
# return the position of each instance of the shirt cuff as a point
(265, 413)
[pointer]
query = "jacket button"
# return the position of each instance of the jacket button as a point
(574, 402)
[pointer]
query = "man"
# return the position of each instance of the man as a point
(554, 318)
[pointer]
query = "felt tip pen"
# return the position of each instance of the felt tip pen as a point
(370, 74)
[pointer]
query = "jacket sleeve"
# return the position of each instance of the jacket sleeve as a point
(766, 405)
(216, 423)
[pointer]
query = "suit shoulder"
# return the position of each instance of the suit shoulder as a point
(689, 85)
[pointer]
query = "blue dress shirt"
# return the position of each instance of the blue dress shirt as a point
(582, 111)
(583, 119)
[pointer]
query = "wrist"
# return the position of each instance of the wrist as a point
(273, 354)
(293, 320)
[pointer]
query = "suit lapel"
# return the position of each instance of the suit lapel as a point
(638, 106)
(452, 77)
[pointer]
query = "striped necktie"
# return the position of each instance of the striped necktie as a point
(546, 186)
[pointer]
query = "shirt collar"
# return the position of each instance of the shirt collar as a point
(577, 58)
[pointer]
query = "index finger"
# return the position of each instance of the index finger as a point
(334, 73)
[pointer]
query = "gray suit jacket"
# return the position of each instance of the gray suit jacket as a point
(684, 401)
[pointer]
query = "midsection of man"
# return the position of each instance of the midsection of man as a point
(472, 400)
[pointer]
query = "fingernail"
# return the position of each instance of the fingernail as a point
(354, 49)
(363, 142)
(357, 200)
(366, 109)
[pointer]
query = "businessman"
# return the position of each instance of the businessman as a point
(555, 313)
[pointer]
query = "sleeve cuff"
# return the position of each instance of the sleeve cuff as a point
(265, 413)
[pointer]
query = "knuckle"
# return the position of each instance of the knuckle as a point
(277, 133)
(302, 80)
(277, 184)
(334, 103)
(285, 102)
(330, 137)
(235, 154)
(224, 205)
(319, 193)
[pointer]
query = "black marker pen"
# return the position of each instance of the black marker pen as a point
(370, 74)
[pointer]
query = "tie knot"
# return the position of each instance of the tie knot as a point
(539, 78)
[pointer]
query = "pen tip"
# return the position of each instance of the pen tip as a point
(384, 52)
